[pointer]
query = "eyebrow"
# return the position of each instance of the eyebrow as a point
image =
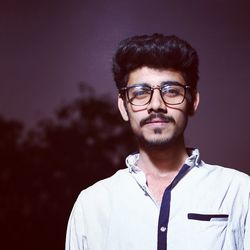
(148, 85)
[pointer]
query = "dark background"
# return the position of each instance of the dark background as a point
(59, 126)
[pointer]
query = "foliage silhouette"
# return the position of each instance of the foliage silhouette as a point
(45, 169)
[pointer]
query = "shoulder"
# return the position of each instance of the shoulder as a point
(225, 175)
(224, 171)
(105, 189)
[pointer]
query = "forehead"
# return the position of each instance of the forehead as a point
(153, 76)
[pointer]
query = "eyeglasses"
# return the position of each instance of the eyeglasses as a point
(172, 93)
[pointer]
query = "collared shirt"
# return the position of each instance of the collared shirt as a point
(208, 209)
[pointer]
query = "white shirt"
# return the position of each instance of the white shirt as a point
(209, 210)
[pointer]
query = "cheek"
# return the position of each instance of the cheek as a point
(138, 109)
(135, 113)
(180, 112)
(134, 120)
(181, 121)
(180, 116)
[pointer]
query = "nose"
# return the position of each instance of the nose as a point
(156, 104)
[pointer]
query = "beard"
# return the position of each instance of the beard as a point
(164, 141)
(157, 144)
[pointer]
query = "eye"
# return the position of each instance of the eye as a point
(139, 92)
(172, 91)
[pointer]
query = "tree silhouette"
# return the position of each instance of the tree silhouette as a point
(45, 169)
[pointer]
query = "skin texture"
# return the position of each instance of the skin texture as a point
(159, 129)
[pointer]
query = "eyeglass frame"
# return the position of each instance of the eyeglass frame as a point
(162, 85)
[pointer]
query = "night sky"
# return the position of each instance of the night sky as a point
(48, 47)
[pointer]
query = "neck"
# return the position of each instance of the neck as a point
(164, 161)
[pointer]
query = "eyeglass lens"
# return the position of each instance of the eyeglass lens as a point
(141, 95)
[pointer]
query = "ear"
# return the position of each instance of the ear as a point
(194, 105)
(123, 109)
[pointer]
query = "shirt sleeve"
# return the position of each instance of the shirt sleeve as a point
(75, 236)
(247, 226)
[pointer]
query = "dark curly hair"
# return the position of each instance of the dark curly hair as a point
(155, 51)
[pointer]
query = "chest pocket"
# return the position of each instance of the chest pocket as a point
(207, 231)
(208, 217)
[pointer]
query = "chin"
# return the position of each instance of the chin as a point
(155, 143)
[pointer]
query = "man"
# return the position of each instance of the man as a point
(167, 197)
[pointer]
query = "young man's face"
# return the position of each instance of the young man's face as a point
(156, 124)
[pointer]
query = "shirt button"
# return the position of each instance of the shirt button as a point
(163, 229)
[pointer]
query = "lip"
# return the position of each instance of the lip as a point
(157, 123)
(156, 120)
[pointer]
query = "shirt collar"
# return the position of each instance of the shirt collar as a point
(193, 160)
(131, 162)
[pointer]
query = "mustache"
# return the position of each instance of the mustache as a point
(151, 117)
